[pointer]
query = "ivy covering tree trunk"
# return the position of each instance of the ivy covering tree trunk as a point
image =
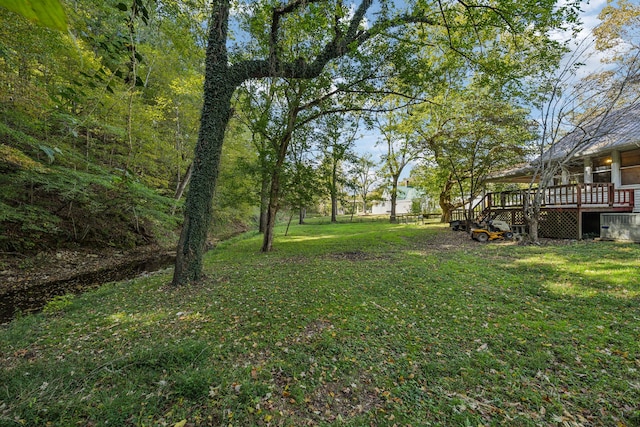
(219, 86)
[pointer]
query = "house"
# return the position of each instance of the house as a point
(599, 182)
(406, 197)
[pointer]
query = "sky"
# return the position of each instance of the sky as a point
(367, 142)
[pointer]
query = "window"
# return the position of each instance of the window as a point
(630, 167)
(575, 175)
(602, 169)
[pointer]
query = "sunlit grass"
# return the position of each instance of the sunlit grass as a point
(344, 324)
(309, 238)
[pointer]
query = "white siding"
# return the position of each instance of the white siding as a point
(636, 201)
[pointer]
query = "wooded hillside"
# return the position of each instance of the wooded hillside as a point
(97, 127)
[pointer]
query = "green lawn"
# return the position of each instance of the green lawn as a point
(348, 324)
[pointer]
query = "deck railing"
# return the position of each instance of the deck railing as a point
(582, 196)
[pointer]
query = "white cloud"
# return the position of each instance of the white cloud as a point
(591, 58)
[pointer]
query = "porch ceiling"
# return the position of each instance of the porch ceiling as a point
(521, 173)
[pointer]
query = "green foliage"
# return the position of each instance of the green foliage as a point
(48, 13)
(57, 204)
(50, 152)
(416, 206)
(58, 304)
(347, 323)
(90, 157)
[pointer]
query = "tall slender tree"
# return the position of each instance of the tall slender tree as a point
(401, 150)
(572, 113)
(336, 139)
(363, 178)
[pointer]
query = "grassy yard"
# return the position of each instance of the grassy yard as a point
(347, 324)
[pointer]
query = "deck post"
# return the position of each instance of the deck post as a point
(588, 171)
(579, 195)
(610, 194)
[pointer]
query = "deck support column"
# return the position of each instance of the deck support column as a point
(616, 176)
(579, 213)
(588, 171)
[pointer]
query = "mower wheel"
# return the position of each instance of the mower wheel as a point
(482, 237)
(508, 235)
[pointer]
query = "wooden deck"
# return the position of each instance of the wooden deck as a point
(599, 197)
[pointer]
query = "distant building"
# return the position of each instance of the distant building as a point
(407, 196)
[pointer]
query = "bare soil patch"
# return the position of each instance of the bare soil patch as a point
(23, 272)
(27, 283)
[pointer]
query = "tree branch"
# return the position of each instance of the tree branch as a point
(299, 68)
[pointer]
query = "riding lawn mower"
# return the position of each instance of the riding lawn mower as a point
(495, 230)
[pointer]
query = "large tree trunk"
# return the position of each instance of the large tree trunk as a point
(445, 202)
(219, 86)
(334, 205)
(531, 213)
(198, 209)
(532, 224)
(302, 215)
(446, 213)
(446, 206)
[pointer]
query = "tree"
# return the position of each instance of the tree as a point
(305, 102)
(571, 114)
(431, 124)
(618, 32)
(279, 111)
(400, 151)
(257, 102)
(336, 138)
(302, 185)
(438, 183)
(480, 134)
(363, 178)
(491, 137)
(290, 109)
(325, 32)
